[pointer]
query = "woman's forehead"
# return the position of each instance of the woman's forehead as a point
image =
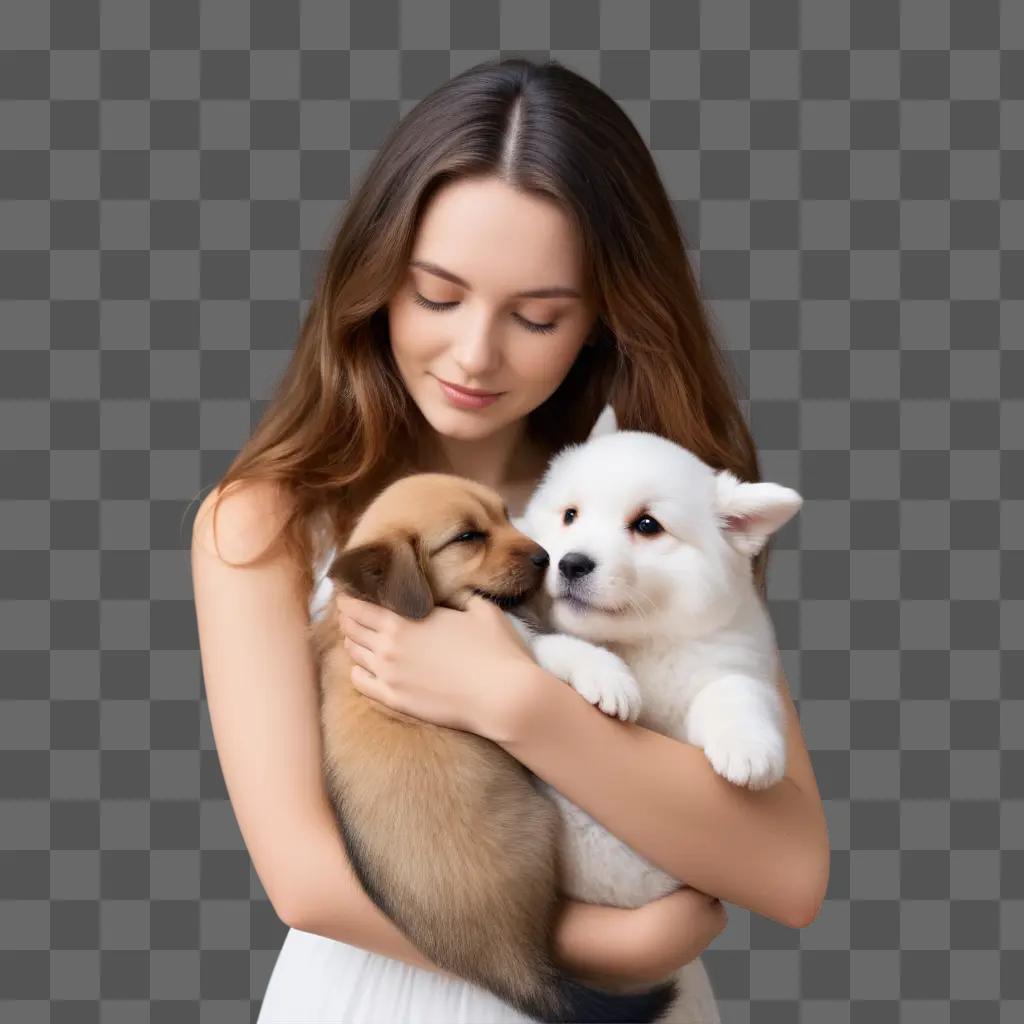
(492, 235)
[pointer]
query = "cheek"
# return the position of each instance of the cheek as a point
(544, 361)
(409, 340)
(695, 584)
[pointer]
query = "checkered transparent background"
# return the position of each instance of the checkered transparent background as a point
(851, 178)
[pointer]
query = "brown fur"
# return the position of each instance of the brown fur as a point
(444, 829)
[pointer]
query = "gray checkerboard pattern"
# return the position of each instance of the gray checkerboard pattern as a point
(850, 174)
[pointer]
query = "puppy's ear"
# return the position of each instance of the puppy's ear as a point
(604, 424)
(750, 513)
(385, 574)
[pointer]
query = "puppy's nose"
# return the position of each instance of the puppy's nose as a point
(540, 558)
(575, 564)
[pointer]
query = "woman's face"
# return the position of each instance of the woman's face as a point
(498, 243)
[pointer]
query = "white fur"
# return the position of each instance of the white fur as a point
(690, 650)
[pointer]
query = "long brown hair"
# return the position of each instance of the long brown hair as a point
(341, 423)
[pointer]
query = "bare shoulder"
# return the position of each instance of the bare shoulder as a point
(248, 517)
(260, 679)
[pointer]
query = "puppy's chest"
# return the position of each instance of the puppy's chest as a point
(668, 681)
(670, 678)
(671, 672)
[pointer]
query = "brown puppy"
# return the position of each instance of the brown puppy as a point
(444, 829)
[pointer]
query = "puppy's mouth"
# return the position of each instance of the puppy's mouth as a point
(505, 601)
(578, 604)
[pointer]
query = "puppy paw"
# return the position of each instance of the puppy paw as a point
(598, 675)
(750, 757)
(608, 684)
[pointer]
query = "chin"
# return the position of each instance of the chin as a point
(450, 423)
(587, 621)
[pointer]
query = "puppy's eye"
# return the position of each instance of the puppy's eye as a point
(469, 536)
(648, 526)
(568, 516)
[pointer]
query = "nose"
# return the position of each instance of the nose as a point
(575, 564)
(477, 352)
(540, 558)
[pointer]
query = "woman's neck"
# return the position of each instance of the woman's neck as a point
(507, 467)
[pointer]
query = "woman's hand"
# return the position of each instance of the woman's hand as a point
(462, 669)
(624, 950)
(673, 930)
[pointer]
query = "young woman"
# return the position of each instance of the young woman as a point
(511, 237)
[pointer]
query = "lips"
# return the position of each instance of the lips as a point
(474, 392)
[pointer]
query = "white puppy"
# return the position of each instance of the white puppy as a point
(657, 620)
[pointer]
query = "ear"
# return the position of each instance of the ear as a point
(604, 424)
(385, 574)
(750, 513)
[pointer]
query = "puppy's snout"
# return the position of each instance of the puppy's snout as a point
(575, 564)
(540, 558)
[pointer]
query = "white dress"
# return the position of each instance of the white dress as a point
(318, 980)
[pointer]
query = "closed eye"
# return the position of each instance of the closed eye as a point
(443, 307)
(469, 536)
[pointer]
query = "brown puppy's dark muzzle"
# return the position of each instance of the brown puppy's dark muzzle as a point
(531, 564)
(522, 577)
(538, 560)
(535, 566)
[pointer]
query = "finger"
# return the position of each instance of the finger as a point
(363, 612)
(363, 681)
(358, 632)
(360, 655)
(374, 617)
(370, 686)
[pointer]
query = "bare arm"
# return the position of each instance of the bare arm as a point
(764, 850)
(262, 696)
(261, 692)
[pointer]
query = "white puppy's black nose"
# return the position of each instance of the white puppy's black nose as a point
(575, 564)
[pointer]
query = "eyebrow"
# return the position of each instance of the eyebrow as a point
(533, 293)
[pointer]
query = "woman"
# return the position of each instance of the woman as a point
(512, 236)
